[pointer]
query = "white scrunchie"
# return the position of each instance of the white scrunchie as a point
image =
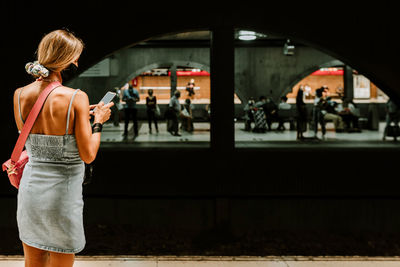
(36, 69)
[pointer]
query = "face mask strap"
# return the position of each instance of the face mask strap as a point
(69, 72)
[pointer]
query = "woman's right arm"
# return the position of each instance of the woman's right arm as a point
(88, 143)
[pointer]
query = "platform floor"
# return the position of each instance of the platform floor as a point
(172, 261)
(201, 133)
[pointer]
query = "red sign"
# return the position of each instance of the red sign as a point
(328, 72)
(190, 73)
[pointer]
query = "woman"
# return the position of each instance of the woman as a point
(190, 88)
(187, 116)
(301, 113)
(151, 104)
(319, 111)
(50, 205)
(392, 119)
(173, 113)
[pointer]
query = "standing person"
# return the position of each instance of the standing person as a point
(117, 106)
(392, 116)
(174, 112)
(249, 114)
(187, 116)
(130, 96)
(271, 111)
(301, 113)
(318, 111)
(190, 88)
(151, 104)
(50, 203)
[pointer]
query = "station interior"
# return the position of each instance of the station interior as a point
(273, 67)
(224, 189)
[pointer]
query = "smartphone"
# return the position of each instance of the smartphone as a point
(107, 98)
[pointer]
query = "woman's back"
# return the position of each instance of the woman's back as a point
(52, 119)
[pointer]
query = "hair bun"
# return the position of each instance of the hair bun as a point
(36, 69)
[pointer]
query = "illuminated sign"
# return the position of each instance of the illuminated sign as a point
(328, 71)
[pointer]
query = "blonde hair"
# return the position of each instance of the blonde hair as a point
(58, 49)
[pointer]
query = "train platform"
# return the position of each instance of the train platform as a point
(203, 261)
(112, 137)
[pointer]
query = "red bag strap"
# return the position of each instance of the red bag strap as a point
(26, 129)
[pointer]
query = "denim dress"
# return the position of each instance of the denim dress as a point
(50, 202)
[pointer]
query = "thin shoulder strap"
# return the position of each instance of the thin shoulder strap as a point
(19, 105)
(69, 110)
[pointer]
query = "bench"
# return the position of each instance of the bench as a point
(200, 115)
(288, 115)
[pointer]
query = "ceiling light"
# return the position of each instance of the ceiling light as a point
(247, 35)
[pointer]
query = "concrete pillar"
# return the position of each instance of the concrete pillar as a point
(348, 84)
(174, 79)
(222, 89)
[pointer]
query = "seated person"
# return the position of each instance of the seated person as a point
(282, 106)
(249, 114)
(331, 114)
(259, 115)
(350, 114)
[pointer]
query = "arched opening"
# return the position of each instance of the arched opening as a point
(273, 67)
(301, 76)
(165, 64)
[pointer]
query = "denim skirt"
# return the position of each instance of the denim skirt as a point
(50, 202)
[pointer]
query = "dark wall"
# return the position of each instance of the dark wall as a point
(365, 44)
(233, 191)
(258, 70)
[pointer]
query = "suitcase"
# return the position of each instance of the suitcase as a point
(260, 122)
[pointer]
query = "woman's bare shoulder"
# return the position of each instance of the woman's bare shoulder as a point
(81, 98)
(17, 90)
(66, 90)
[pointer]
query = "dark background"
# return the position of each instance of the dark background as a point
(220, 200)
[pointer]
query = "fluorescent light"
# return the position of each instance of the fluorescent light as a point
(247, 37)
(247, 33)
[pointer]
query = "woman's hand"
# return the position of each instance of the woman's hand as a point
(91, 107)
(102, 113)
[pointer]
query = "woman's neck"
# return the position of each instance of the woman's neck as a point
(53, 77)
